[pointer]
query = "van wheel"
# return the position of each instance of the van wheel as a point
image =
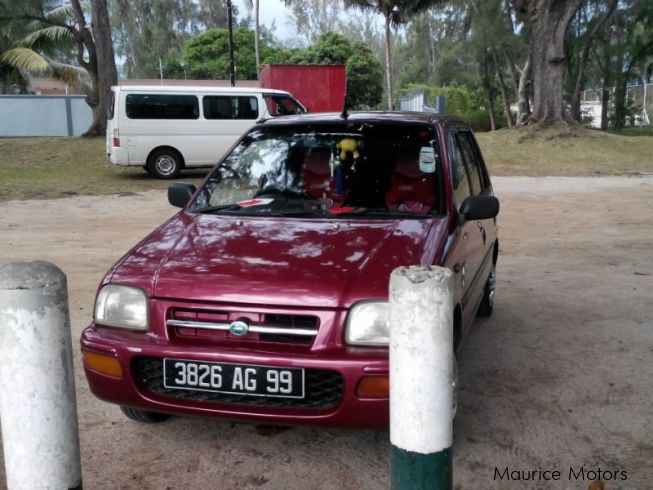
(164, 164)
(144, 416)
(487, 303)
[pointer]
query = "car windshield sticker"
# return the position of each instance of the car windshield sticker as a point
(427, 159)
(254, 202)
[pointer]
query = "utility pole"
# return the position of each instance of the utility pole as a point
(232, 74)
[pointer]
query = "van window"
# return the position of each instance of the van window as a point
(282, 105)
(230, 107)
(161, 106)
(111, 105)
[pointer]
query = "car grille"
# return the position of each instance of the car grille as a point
(207, 324)
(323, 388)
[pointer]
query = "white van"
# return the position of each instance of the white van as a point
(167, 128)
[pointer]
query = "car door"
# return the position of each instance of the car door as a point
(481, 233)
(464, 258)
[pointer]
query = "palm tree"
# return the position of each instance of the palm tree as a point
(395, 13)
(32, 55)
(54, 31)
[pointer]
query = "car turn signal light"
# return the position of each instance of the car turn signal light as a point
(102, 363)
(373, 387)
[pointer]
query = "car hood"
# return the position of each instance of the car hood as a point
(277, 261)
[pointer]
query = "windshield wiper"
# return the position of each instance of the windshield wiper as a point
(295, 212)
(383, 212)
(213, 209)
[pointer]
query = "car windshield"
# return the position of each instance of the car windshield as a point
(332, 170)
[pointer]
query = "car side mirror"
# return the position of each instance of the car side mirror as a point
(479, 207)
(180, 193)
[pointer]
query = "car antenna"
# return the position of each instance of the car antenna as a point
(344, 114)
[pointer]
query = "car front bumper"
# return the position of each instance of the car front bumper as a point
(140, 385)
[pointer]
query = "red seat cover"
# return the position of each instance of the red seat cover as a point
(410, 188)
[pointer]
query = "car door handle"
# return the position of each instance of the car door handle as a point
(465, 236)
(480, 225)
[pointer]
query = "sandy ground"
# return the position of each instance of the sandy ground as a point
(560, 376)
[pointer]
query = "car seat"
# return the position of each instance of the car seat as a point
(410, 188)
(316, 176)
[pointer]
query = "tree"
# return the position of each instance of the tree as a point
(104, 74)
(395, 12)
(313, 18)
(634, 35)
(207, 54)
(146, 31)
(93, 48)
(254, 5)
(549, 20)
(594, 26)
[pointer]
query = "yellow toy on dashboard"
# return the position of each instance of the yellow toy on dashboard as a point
(348, 145)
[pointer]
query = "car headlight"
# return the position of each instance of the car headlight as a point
(122, 306)
(368, 323)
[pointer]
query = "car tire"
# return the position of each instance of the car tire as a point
(487, 303)
(144, 416)
(165, 163)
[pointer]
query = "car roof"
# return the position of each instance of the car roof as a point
(195, 88)
(383, 117)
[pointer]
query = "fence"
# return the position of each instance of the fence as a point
(44, 115)
(639, 99)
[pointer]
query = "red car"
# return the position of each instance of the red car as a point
(265, 297)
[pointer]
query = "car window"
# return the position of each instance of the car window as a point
(459, 174)
(471, 161)
(162, 106)
(329, 171)
(230, 107)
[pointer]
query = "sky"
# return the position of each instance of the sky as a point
(269, 11)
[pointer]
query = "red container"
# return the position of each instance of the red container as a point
(320, 88)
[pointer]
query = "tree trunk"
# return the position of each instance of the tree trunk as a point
(106, 74)
(620, 103)
(489, 93)
(502, 86)
(256, 34)
(582, 63)
(549, 20)
(388, 63)
(523, 107)
(512, 68)
(605, 101)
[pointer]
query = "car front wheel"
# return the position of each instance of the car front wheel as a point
(144, 416)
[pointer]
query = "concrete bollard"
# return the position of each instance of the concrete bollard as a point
(37, 384)
(421, 376)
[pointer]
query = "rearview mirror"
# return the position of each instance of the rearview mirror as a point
(179, 194)
(480, 207)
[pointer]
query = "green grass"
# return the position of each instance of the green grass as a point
(636, 131)
(57, 167)
(522, 152)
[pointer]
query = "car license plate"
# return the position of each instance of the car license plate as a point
(239, 379)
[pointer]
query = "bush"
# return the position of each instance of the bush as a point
(479, 120)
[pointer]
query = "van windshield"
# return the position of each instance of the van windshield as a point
(282, 105)
(330, 170)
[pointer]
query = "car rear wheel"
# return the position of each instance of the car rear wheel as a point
(487, 303)
(164, 164)
(144, 416)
